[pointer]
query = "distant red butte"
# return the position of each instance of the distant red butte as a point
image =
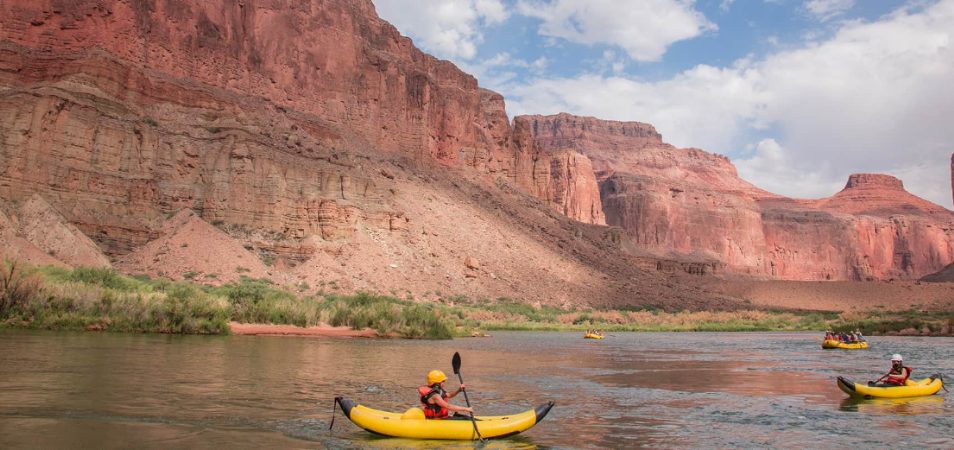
(691, 202)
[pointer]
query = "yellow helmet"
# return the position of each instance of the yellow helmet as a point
(435, 376)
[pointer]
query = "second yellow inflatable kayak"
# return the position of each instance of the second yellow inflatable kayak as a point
(413, 425)
(912, 388)
(592, 336)
(832, 343)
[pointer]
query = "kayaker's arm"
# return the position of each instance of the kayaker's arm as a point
(437, 400)
(458, 391)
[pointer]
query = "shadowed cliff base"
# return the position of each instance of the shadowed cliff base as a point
(945, 275)
(884, 296)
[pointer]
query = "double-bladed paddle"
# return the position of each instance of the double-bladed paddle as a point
(455, 362)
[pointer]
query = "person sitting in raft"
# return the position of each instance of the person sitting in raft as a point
(859, 336)
(898, 374)
(434, 397)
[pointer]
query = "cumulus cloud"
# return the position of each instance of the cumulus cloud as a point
(875, 97)
(705, 106)
(774, 169)
(826, 9)
(500, 69)
(447, 28)
(644, 29)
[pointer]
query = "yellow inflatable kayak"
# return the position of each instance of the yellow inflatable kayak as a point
(413, 425)
(832, 343)
(912, 388)
(592, 336)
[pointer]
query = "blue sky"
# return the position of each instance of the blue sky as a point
(798, 93)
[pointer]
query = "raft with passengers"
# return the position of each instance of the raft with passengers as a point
(593, 334)
(844, 340)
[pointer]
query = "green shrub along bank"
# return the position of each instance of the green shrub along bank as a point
(101, 299)
(911, 322)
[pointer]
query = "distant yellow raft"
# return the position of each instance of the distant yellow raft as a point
(834, 343)
(592, 336)
(912, 388)
(413, 425)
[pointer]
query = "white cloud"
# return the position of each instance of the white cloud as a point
(499, 70)
(875, 97)
(705, 106)
(772, 168)
(447, 28)
(826, 9)
(644, 29)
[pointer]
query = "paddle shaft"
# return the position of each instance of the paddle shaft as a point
(455, 363)
(467, 400)
(461, 380)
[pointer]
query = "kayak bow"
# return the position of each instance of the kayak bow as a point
(412, 424)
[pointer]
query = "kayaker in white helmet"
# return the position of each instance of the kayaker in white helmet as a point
(898, 374)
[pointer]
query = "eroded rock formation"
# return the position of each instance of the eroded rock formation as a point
(692, 203)
(190, 248)
(314, 135)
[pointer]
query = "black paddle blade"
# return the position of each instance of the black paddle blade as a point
(455, 363)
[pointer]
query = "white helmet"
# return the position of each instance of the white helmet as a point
(896, 357)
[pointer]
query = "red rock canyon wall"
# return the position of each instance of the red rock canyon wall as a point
(693, 203)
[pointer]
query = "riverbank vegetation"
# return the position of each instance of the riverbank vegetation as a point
(101, 299)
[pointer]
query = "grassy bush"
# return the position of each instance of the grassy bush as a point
(18, 286)
(388, 315)
(102, 299)
(897, 321)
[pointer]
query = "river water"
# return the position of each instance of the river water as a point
(655, 390)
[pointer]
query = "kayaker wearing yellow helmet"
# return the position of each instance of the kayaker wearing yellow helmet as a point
(434, 397)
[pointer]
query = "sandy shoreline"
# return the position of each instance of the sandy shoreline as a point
(264, 329)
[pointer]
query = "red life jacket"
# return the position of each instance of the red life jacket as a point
(432, 411)
(907, 374)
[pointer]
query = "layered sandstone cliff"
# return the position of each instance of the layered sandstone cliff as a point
(126, 111)
(692, 203)
(315, 136)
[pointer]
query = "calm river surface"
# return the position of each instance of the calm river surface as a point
(657, 390)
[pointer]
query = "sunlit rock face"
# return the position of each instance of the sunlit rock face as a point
(248, 112)
(121, 112)
(692, 203)
(303, 128)
(311, 133)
